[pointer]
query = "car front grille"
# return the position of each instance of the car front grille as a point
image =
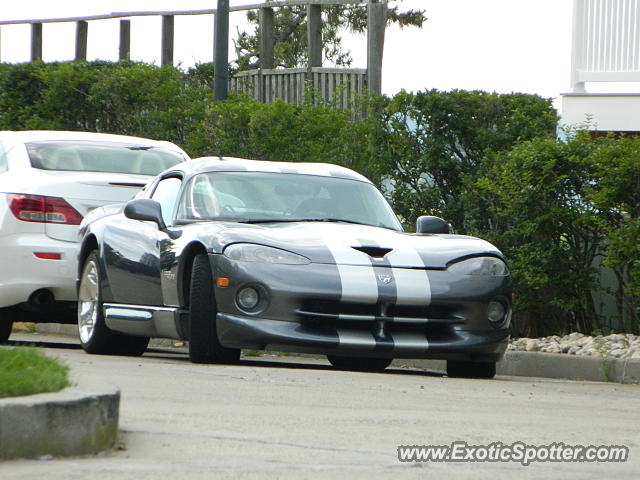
(432, 319)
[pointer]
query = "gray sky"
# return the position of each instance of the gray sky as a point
(493, 45)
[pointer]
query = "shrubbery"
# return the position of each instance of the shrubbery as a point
(489, 163)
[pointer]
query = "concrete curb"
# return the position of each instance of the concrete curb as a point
(70, 422)
(516, 363)
(552, 365)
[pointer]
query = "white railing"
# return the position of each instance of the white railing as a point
(606, 42)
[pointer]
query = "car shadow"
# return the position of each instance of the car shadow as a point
(269, 361)
(43, 344)
(291, 363)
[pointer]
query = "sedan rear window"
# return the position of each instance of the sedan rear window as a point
(101, 157)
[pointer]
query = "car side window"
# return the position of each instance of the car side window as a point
(166, 193)
(4, 165)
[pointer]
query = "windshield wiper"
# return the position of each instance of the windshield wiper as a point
(328, 219)
(269, 220)
(292, 220)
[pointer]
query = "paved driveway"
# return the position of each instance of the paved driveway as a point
(287, 417)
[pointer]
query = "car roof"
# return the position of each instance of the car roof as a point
(232, 164)
(27, 136)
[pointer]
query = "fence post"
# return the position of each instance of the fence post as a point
(82, 30)
(376, 24)
(36, 42)
(314, 35)
(125, 40)
(266, 38)
(221, 49)
(167, 40)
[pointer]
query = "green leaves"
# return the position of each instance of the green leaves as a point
(488, 163)
(127, 98)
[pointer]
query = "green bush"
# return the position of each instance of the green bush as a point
(487, 162)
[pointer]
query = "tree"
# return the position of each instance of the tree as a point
(435, 144)
(549, 230)
(290, 30)
(615, 192)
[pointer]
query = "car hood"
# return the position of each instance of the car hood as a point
(349, 244)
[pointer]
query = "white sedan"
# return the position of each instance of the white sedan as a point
(48, 181)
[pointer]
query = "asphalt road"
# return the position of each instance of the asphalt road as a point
(287, 417)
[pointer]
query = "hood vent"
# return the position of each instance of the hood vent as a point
(375, 252)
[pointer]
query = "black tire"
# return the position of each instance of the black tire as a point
(6, 323)
(463, 369)
(100, 340)
(359, 363)
(204, 345)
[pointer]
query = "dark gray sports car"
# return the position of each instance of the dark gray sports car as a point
(230, 254)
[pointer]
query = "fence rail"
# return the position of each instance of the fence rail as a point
(335, 85)
(210, 11)
(339, 86)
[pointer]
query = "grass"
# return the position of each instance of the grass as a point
(27, 371)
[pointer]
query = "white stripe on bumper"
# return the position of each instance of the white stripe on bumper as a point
(355, 339)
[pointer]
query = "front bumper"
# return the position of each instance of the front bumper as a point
(308, 308)
(278, 335)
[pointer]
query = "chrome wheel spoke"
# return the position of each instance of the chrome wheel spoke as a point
(88, 305)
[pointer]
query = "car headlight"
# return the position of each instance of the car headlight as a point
(249, 252)
(480, 266)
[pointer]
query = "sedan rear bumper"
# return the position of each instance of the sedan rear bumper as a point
(256, 333)
(23, 273)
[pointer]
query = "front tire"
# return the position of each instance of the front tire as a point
(462, 369)
(204, 345)
(95, 336)
(6, 323)
(359, 364)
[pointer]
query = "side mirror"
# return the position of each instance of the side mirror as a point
(427, 224)
(146, 210)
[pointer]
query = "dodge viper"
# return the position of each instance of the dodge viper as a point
(303, 257)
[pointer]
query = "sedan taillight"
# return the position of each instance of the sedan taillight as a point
(41, 209)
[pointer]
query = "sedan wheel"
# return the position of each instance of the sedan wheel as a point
(358, 363)
(95, 336)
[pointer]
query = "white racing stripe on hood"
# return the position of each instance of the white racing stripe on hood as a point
(357, 275)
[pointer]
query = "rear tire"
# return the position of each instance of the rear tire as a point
(95, 336)
(359, 363)
(6, 323)
(464, 369)
(204, 345)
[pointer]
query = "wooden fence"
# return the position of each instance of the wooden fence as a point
(335, 85)
(338, 86)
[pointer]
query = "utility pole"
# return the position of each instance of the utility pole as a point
(221, 52)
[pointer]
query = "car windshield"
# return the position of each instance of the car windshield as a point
(101, 157)
(255, 197)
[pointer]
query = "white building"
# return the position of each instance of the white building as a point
(606, 49)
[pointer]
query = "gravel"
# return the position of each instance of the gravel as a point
(620, 345)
